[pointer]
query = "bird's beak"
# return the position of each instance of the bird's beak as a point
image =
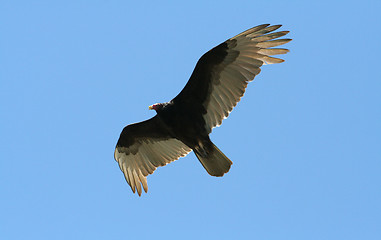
(150, 107)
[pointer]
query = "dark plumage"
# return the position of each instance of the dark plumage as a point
(183, 124)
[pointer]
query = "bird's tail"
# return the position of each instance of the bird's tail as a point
(213, 160)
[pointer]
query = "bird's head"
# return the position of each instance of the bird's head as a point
(156, 106)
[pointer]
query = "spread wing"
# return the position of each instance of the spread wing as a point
(144, 146)
(221, 75)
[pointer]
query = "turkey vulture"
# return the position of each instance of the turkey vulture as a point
(183, 124)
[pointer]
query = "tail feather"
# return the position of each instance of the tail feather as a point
(213, 160)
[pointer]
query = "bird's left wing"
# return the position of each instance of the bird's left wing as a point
(221, 75)
(144, 146)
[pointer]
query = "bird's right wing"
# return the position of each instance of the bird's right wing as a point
(221, 75)
(144, 146)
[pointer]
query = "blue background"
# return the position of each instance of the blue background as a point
(305, 139)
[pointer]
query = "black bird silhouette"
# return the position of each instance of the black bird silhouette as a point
(183, 124)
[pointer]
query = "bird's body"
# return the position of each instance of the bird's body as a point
(183, 124)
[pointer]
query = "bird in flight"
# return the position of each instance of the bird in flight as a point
(183, 124)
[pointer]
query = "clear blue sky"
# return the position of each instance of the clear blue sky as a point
(305, 139)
